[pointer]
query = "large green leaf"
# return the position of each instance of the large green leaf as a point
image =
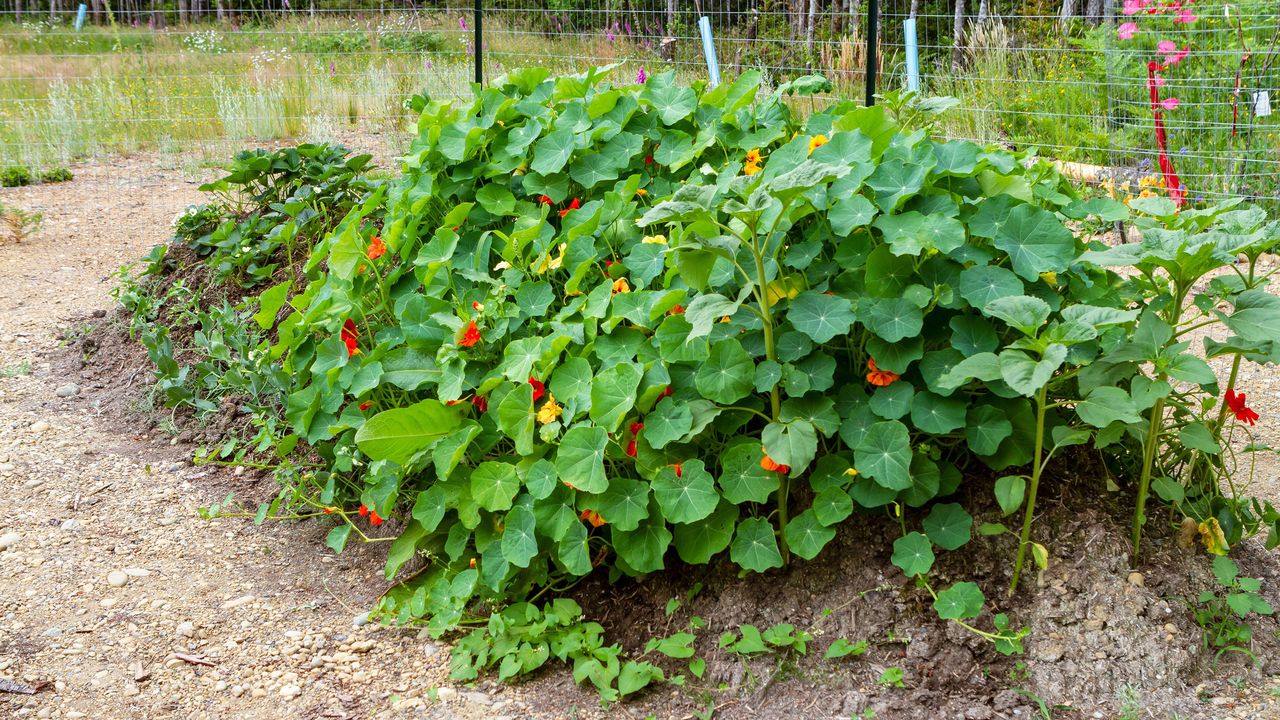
(580, 459)
(400, 433)
(893, 319)
(742, 478)
(981, 284)
(686, 495)
(668, 422)
(792, 443)
(755, 547)
(1036, 242)
(728, 374)
(985, 428)
(552, 152)
(642, 550)
(613, 394)
(624, 505)
(515, 417)
(494, 485)
(821, 317)
(1105, 405)
(1027, 376)
(948, 525)
(884, 455)
(519, 541)
(698, 542)
(961, 601)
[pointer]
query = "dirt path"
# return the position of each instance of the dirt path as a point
(115, 598)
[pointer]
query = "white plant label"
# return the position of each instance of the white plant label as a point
(1262, 103)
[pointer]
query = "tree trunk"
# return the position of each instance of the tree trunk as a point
(1093, 9)
(668, 48)
(810, 23)
(17, 11)
(854, 9)
(986, 8)
(182, 12)
(957, 30)
(1068, 12)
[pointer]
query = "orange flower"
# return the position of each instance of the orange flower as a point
(753, 162)
(471, 336)
(621, 286)
(364, 511)
(377, 248)
(816, 142)
(677, 310)
(767, 463)
(365, 406)
(592, 517)
(349, 335)
(374, 519)
(878, 377)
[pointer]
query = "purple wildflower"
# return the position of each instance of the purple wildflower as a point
(641, 77)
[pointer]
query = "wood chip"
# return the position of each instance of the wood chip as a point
(140, 673)
(194, 659)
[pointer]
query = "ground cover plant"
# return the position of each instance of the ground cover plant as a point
(611, 328)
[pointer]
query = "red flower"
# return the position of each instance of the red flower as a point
(365, 405)
(607, 263)
(636, 427)
(677, 310)
(631, 448)
(667, 392)
(592, 517)
(679, 469)
(481, 402)
(476, 306)
(471, 337)
(648, 159)
(538, 388)
(374, 519)
(328, 511)
(1235, 403)
(377, 248)
(545, 200)
(574, 205)
(364, 511)
(349, 335)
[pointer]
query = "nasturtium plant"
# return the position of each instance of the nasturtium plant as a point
(596, 326)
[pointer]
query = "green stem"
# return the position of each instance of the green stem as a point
(775, 399)
(1036, 468)
(1144, 481)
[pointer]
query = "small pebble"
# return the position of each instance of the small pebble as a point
(68, 390)
(117, 578)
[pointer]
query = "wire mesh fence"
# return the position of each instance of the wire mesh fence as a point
(1072, 78)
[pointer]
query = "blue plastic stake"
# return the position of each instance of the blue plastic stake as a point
(80, 16)
(709, 49)
(913, 55)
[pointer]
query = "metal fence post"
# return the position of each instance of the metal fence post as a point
(479, 42)
(873, 17)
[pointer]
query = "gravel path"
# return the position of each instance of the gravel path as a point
(116, 600)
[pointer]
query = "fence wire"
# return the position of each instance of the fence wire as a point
(1068, 77)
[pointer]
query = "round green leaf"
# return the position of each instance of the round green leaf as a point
(688, 496)
(642, 550)
(741, 477)
(793, 443)
(728, 374)
(820, 316)
(936, 414)
(893, 318)
(494, 484)
(962, 601)
(580, 459)
(892, 401)
(519, 542)
(755, 547)
(806, 536)
(668, 422)
(985, 428)
(698, 542)
(623, 505)
(948, 525)
(1010, 491)
(913, 553)
(981, 284)
(832, 506)
(884, 455)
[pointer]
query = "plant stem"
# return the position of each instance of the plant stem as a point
(775, 400)
(1036, 468)
(1144, 481)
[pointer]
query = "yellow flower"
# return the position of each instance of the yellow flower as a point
(1211, 535)
(851, 472)
(550, 411)
(1049, 277)
(641, 192)
(621, 286)
(750, 168)
(726, 319)
(551, 263)
(753, 157)
(816, 142)
(654, 240)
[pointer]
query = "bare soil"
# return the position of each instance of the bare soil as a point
(225, 619)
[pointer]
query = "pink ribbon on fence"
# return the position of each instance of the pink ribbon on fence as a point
(1171, 181)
